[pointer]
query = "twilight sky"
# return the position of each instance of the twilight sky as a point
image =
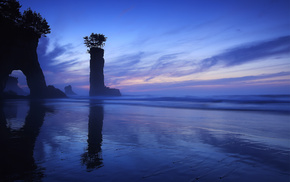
(172, 47)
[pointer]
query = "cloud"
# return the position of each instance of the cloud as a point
(60, 66)
(123, 67)
(147, 68)
(125, 11)
(247, 53)
(238, 80)
(142, 67)
(47, 59)
(223, 82)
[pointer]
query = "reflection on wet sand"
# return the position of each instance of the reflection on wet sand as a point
(92, 141)
(92, 158)
(242, 149)
(17, 146)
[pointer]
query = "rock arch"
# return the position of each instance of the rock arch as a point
(20, 53)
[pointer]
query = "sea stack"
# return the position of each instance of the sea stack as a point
(68, 90)
(97, 62)
(13, 87)
(95, 42)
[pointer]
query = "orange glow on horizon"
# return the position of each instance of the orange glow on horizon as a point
(86, 87)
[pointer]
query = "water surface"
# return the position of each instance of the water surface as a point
(141, 139)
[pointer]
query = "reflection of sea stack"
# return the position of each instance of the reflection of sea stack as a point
(97, 85)
(92, 158)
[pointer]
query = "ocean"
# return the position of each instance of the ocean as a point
(146, 138)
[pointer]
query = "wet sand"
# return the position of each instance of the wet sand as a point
(91, 140)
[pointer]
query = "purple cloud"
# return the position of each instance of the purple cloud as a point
(238, 81)
(247, 53)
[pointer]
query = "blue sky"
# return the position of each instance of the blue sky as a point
(172, 47)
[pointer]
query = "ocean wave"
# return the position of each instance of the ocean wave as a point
(267, 103)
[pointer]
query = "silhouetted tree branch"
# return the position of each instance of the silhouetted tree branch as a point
(9, 10)
(34, 22)
(11, 18)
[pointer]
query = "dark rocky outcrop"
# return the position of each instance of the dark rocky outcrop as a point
(12, 86)
(20, 54)
(97, 85)
(19, 36)
(52, 92)
(68, 90)
(111, 91)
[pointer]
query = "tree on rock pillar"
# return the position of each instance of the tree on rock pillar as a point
(95, 42)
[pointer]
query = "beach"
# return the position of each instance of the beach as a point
(146, 139)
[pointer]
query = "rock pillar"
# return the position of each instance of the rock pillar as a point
(97, 85)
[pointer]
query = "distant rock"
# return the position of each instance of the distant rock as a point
(12, 86)
(68, 90)
(111, 92)
(52, 92)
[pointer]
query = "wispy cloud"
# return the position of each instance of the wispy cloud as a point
(247, 53)
(48, 59)
(139, 66)
(177, 65)
(60, 66)
(125, 11)
(223, 82)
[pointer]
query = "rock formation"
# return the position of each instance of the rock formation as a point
(95, 42)
(68, 90)
(52, 92)
(96, 71)
(97, 85)
(19, 53)
(19, 35)
(12, 86)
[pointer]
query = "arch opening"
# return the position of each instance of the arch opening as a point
(16, 83)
